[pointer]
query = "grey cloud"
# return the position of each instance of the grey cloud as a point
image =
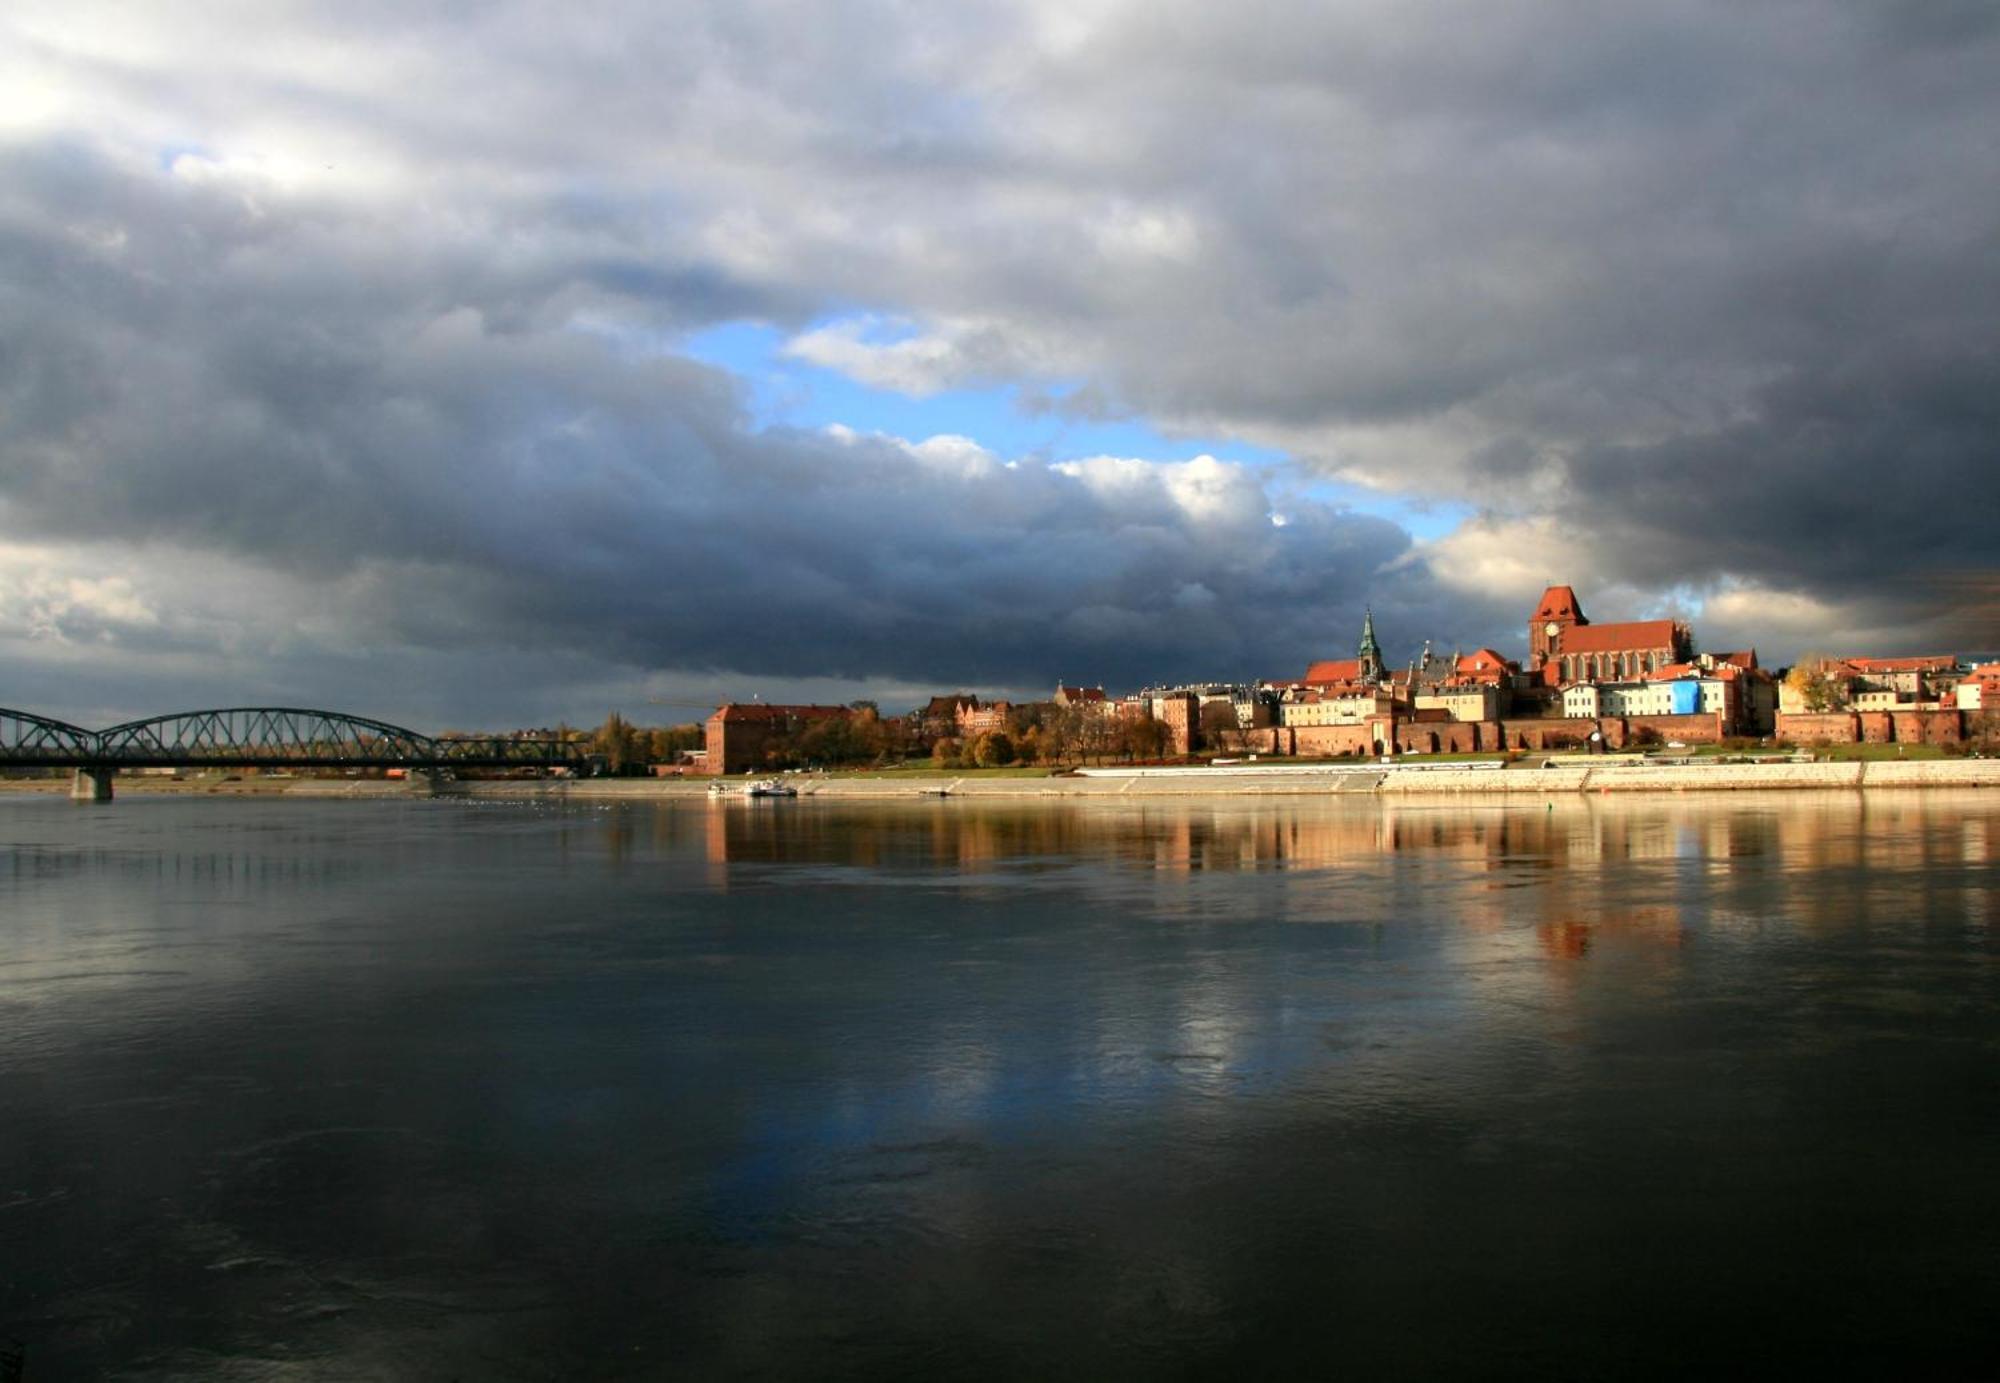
(1711, 283)
(448, 486)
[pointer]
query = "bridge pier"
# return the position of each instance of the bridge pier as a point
(91, 785)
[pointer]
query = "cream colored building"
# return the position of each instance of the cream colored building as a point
(1581, 701)
(1335, 710)
(1462, 703)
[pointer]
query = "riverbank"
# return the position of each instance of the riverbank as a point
(1320, 781)
(1275, 780)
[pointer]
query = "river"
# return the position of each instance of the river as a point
(1643, 1087)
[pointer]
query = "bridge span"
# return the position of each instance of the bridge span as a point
(262, 737)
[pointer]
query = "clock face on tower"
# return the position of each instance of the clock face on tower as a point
(1552, 629)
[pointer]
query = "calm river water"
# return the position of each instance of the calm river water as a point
(431, 1090)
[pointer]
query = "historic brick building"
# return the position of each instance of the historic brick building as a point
(1364, 667)
(1565, 647)
(738, 733)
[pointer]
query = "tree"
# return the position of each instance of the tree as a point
(841, 740)
(1142, 737)
(993, 750)
(945, 752)
(1982, 729)
(618, 741)
(1063, 732)
(1816, 679)
(1219, 726)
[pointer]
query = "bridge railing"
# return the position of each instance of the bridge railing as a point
(29, 739)
(274, 736)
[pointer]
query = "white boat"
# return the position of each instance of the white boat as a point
(769, 787)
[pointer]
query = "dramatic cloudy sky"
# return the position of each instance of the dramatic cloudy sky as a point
(483, 364)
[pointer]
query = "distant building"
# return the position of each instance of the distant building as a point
(737, 735)
(938, 718)
(1980, 690)
(1565, 647)
(1483, 665)
(1365, 667)
(975, 719)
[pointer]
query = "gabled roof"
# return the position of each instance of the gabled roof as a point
(1560, 602)
(1080, 693)
(1637, 636)
(1743, 658)
(1481, 665)
(1334, 670)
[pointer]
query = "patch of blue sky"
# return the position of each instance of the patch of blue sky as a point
(787, 392)
(783, 391)
(1427, 519)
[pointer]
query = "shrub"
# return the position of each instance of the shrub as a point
(992, 750)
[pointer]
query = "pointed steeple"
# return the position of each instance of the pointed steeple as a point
(1370, 651)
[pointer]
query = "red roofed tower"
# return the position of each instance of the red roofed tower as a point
(1557, 613)
(1564, 647)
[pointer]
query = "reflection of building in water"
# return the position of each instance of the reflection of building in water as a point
(1570, 937)
(1549, 850)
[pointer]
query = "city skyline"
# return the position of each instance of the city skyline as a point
(489, 369)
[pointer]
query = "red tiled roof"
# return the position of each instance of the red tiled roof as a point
(1726, 672)
(757, 710)
(1334, 670)
(1559, 602)
(1481, 665)
(1618, 638)
(1744, 658)
(1081, 693)
(1936, 662)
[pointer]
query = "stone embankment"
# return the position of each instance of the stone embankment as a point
(1276, 781)
(1525, 782)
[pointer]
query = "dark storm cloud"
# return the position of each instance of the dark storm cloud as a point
(383, 303)
(284, 391)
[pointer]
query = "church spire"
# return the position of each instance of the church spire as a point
(1370, 651)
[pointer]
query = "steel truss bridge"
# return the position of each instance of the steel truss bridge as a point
(263, 737)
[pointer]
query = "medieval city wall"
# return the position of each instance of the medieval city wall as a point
(1872, 727)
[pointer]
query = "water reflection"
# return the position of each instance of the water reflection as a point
(962, 1087)
(1808, 830)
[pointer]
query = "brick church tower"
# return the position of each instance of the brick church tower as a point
(1557, 614)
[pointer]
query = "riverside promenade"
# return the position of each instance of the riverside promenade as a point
(1275, 780)
(1320, 780)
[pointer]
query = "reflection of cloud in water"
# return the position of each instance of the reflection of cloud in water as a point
(702, 1073)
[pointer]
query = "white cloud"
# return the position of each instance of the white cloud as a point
(292, 293)
(893, 354)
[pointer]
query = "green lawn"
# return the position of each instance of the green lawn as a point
(1847, 752)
